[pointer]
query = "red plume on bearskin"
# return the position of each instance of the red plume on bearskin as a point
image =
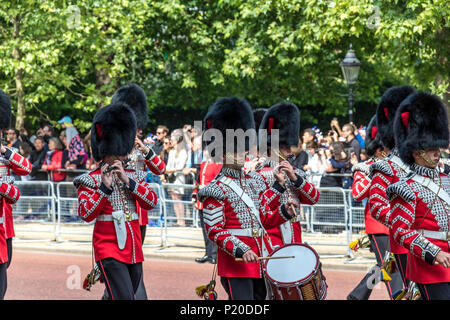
(420, 123)
(230, 113)
(113, 131)
(372, 141)
(386, 109)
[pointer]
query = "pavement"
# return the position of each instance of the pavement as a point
(176, 244)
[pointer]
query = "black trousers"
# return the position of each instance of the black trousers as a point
(141, 293)
(10, 249)
(3, 280)
(379, 244)
(121, 279)
(435, 291)
(402, 262)
(244, 288)
(210, 247)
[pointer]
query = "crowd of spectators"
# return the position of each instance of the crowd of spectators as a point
(53, 156)
(60, 155)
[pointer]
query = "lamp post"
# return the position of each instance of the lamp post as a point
(350, 68)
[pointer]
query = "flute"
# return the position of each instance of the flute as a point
(124, 162)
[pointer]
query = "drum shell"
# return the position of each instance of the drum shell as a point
(311, 287)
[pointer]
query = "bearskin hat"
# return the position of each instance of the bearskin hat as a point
(420, 123)
(230, 113)
(372, 141)
(134, 96)
(113, 131)
(285, 117)
(258, 115)
(386, 109)
(5, 110)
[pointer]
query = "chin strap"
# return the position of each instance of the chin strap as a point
(426, 158)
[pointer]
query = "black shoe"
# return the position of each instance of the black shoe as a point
(205, 259)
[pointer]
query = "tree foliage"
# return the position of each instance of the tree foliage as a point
(67, 57)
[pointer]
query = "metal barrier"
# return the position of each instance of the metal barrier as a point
(67, 204)
(37, 204)
(330, 215)
(55, 205)
(178, 205)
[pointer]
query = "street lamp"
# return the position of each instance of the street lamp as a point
(350, 68)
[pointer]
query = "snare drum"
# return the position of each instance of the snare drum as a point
(298, 278)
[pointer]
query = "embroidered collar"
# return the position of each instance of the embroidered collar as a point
(231, 172)
(426, 172)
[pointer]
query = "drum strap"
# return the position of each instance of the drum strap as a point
(249, 203)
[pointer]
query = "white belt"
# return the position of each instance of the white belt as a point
(246, 232)
(109, 217)
(438, 235)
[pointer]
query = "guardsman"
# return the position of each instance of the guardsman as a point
(142, 156)
(109, 194)
(285, 118)
(11, 160)
(238, 206)
(389, 170)
(420, 201)
(9, 193)
(377, 232)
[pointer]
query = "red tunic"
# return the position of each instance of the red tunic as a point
(360, 191)
(21, 167)
(225, 213)
(384, 173)
(416, 208)
(95, 199)
(10, 194)
(302, 192)
(155, 165)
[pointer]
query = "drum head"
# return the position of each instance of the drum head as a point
(292, 270)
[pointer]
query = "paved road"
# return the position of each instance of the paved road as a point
(34, 276)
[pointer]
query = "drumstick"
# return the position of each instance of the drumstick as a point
(267, 258)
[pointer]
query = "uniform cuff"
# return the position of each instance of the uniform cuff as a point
(132, 185)
(277, 186)
(8, 153)
(298, 182)
(103, 188)
(150, 154)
